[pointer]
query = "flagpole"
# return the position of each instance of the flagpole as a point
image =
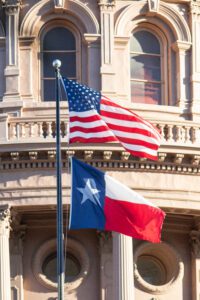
(60, 248)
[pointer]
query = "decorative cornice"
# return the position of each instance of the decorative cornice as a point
(106, 4)
(195, 7)
(106, 159)
(11, 6)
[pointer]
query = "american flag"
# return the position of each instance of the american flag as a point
(94, 118)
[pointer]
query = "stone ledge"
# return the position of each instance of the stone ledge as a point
(105, 159)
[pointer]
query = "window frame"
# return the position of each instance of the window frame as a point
(45, 29)
(164, 57)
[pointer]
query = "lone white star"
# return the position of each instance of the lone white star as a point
(89, 193)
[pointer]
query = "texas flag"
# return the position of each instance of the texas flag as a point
(99, 201)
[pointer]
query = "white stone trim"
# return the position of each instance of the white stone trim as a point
(41, 12)
(169, 15)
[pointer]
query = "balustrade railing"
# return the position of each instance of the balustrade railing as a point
(186, 133)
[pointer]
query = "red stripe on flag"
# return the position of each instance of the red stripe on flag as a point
(139, 221)
(91, 118)
(88, 130)
(93, 139)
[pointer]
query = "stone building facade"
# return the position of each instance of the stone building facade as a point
(144, 54)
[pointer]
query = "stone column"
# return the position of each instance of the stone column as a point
(195, 247)
(4, 254)
(195, 72)
(107, 45)
(105, 241)
(16, 253)
(182, 58)
(123, 280)
(12, 68)
(92, 42)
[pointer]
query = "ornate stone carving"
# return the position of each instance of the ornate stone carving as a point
(195, 7)
(162, 156)
(59, 3)
(11, 6)
(33, 155)
(153, 5)
(106, 4)
(88, 154)
(14, 156)
(195, 160)
(178, 158)
(51, 154)
(195, 242)
(107, 155)
(70, 153)
(125, 155)
(4, 220)
(105, 239)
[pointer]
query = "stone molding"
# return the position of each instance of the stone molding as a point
(47, 248)
(178, 163)
(166, 12)
(44, 8)
(171, 260)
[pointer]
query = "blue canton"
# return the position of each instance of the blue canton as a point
(80, 97)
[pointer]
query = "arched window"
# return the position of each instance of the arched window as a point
(145, 62)
(58, 43)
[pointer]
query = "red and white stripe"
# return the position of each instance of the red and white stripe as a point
(115, 124)
(129, 213)
(136, 135)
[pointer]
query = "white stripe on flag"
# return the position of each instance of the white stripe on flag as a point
(119, 192)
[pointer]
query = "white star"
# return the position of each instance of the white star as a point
(89, 193)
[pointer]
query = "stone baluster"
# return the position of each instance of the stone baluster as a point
(13, 131)
(4, 253)
(40, 129)
(123, 282)
(187, 134)
(169, 133)
(31, 129)
(22, 130)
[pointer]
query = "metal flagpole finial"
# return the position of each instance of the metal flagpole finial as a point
(56, 63)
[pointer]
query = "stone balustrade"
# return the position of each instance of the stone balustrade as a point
(26, 129)
(186, 133)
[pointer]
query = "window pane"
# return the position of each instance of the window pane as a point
(151, 270)
(49, 90)
(143, 92)
(145, 67)
(59, 38)
(144, 41)
(72, 267)
(68, 67)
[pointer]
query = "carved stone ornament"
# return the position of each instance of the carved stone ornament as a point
(195, 242)
(4, 221)
(11, 6)
(59, 3)
(105, 239)
(107, 155)
(105, 4)
(88, 154)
